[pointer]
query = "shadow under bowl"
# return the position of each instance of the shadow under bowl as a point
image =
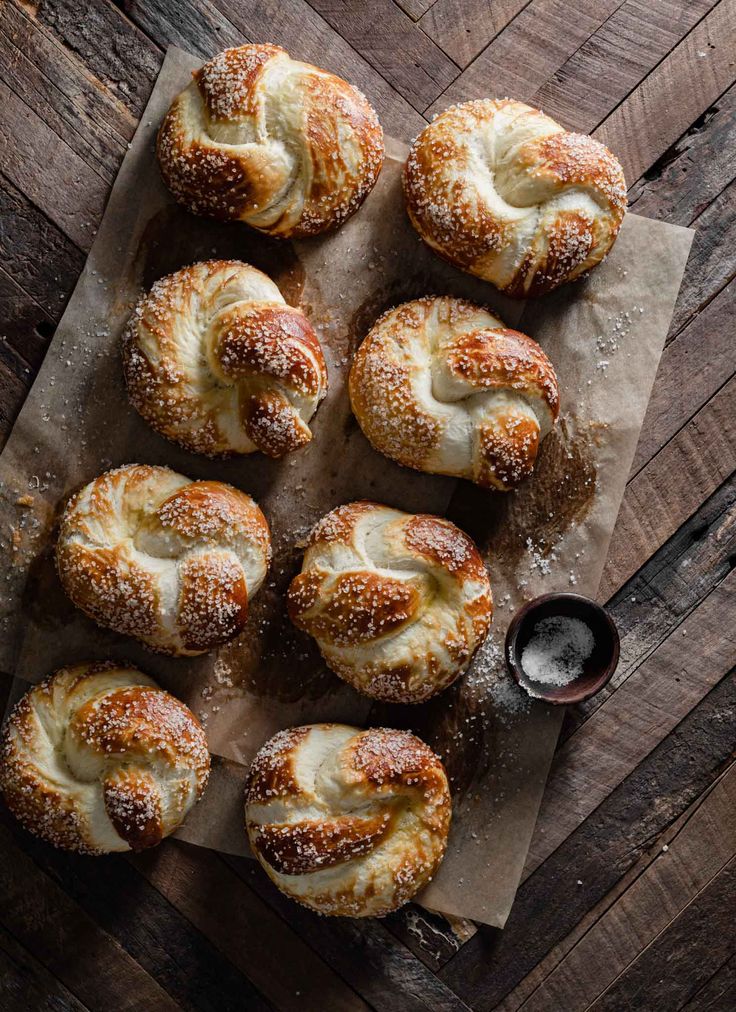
(598, 669)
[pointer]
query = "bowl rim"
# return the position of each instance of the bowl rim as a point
(523, 614)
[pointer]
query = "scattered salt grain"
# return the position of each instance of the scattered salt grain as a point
(557, 649)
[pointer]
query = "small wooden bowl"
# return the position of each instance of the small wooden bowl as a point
(598, 669)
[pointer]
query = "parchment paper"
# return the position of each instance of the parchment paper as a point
(604, 336)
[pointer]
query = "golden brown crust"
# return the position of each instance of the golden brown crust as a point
(483, 185)
(445, 545)
(415, 384)
(97, 759)
(398, 603)
(274, 341)
(360, 607)
(272, 773)
(288, 148)
(150, 554)
(109, 587)
(359, 825)
(317, 843)
(216, 361)
(133, 807)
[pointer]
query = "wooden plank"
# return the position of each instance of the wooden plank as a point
(607, 845)
(659, 600)
(705, 353)
(200, 28)
(13, 391)
(677, 91)
(537, 42)
(612, 62)
(241, 926)
(40, 915)
(362, 951)
(35, 253)
(24, 323)
(718, 993)
(690, 175)
(65, 96)
(703, 847)
(120, 901)
(673, 967)
(636, 718)
(463, 28)
(15, 362)
(40, 164)
(708, 270)
(26, 984)
(414, 8)
(557, 954)
(704, 453)
(106, 43)
(393, 45)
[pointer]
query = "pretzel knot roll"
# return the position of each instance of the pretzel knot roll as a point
(216, 361)
(258, 137)
(442, 386)
(502, 191)
(97, 759)
(398, 603)
(348, 822)
(173, 562)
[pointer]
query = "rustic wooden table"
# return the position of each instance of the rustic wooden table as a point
(630, 886)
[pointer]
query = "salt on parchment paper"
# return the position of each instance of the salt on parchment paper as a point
(604, 335)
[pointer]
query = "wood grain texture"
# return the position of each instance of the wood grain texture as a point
(677, 91)
(26, 983)
(641, 713)
(463, 28)
(111, 891)
(95, 123)
(266, 949)
(13, 391)
(673, 403)
(393, 45)
(692, 173)
(662, 595)
(43, 166)
(704, 453)
(109, 45)
(672, 968)
(677, 874)
(25, 326)
(652, 849)
(615, 58)
(414, 8)
(201, 28)
(717, 993)
(708, 270)
(362, 951)
(588, 866)
(35, 252)
(537, 42)
(42, 917)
